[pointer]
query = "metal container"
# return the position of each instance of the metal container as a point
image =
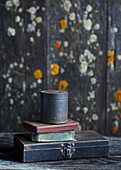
(54, 106)
(88, 144)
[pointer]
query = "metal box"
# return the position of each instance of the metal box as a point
(88, 144)
(54, 106)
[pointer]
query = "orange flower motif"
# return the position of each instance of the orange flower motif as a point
(38, 74)
(118, 95)
(116, 109)
(54, 70)
(61, 49)
(36, 20)
(87, 128)
(120, 115)
(57, 44)
(115, 129)
(111, 55)
(63, 24)
(62, 85)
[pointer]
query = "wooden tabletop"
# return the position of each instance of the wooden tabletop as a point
(8, 159)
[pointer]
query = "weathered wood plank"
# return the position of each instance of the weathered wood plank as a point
(77, 62)
(23, 68)
(114, 68)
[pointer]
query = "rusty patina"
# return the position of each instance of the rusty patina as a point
(54, 106)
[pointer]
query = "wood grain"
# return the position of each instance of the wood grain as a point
(114, 70)
(83, 77)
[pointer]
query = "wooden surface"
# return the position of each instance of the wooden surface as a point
(114, 69)
(8, 158)
(82, 62)
(71, 45)
(21, 58)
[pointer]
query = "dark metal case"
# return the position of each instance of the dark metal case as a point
(87, 144)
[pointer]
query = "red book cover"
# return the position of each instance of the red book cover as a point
(38, 127)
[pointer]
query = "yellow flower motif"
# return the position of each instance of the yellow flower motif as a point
(63, 24)
(54, 70)
(38, 74)
(62, 85)
(71, 52)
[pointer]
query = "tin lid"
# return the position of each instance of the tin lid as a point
(54, 94)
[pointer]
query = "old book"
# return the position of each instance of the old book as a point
(68, 135)
(87, 144)
(38, 127)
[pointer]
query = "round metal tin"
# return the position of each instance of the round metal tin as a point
(54, 106)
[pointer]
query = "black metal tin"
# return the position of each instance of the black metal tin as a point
(54, 106)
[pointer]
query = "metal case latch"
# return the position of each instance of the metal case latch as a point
(67, 150)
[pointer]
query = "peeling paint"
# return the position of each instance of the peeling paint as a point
(93, 38)
(32, 39)
(83, 67)
(72, 16)
(32, 10)
(38, 33)
(67, 5)
(95, 117)
(17, 18)
(16, 2)
(93, 80)
(11, 31)
(97, 26)
(113, 106)
(65, 43)
(87, 24)
(85, 109)
(115, 29)
(10, 80)
(39, 81)
(119, 56)
(89, 8)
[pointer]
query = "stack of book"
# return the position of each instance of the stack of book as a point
(40, 132)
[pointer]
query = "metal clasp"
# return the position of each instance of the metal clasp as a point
(67, 150)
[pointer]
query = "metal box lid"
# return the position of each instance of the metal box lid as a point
(84, 138)
(54, 94)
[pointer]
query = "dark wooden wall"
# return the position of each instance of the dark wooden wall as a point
(71, 45)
